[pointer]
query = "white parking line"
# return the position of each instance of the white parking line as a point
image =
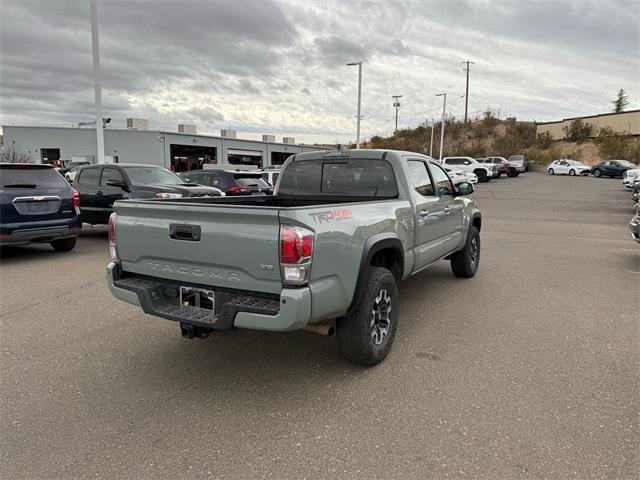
(630, 250)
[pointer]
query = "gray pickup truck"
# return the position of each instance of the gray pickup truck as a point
(341, 230)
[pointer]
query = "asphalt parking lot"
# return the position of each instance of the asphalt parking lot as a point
(528, 370)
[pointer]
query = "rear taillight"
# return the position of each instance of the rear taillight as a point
(76, 198)
(296, 251)
(238, 189)
(113, 243)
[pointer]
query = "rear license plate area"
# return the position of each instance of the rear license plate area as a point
(198, 298)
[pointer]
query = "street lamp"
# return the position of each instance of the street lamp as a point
(359, 64)
(444, 106)
(95, 48)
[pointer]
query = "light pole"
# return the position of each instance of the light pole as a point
(396, 105)
(431, 144)
(444, 106)
(97, 81)
(359, 64)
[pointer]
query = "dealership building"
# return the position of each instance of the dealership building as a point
(179, 151)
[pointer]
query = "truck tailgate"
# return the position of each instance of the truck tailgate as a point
(231, 246)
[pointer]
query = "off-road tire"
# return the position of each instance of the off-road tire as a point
(64, 244)
(354, 332)
(464, 263)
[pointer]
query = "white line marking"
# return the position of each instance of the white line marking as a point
(630, 250)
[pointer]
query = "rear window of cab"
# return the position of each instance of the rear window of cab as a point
(344, 177)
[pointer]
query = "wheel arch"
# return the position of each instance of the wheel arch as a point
(380, 250)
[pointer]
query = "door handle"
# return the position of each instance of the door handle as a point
(99, 192)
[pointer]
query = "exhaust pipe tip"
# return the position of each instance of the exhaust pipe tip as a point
(325, 330)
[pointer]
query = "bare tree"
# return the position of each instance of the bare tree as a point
(9, 154)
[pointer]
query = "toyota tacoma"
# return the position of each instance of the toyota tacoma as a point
(324, 253)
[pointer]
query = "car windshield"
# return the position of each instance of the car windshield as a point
(574, 163)
(152, 176)
(31, 178)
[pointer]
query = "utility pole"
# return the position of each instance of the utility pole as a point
(466, 94)
(359, 64)
(431, 144)
(444, 107)
(97, 81)
(396, 105)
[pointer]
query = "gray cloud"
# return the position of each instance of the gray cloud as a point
(278, 65)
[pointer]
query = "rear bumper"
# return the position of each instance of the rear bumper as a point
(40, 232)
(291, 311)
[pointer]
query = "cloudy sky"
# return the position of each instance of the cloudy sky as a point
(278, 66)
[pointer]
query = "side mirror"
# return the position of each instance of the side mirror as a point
(465, 188)
(115, 182)
(188, 180)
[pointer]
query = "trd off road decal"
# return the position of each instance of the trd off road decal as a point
(329, 215)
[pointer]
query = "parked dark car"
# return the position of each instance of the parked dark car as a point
(611, 168)
(504, 167)
(231, 182)
(101, 185)
(37, 206)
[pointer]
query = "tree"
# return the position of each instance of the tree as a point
(621, 102)
(11, 155)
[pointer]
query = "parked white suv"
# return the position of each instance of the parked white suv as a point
(484, 171)
(630, 176)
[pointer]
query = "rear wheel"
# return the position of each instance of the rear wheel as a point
(551, 172)
(512, 172)
(572, 172)
(597, 173)
(64, 244)
(464, 263)
(365, 337)
(482, 176)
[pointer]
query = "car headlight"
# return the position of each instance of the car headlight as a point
(168, 195)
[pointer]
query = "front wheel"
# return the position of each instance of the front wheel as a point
(597, 173)
(64, 244)
(365, 336)
(512, 172)
(551, 172)
(464, 263)
(572, 172)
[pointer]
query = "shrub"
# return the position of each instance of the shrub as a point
(578, 131)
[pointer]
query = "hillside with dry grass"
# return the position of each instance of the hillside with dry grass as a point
(492, 136)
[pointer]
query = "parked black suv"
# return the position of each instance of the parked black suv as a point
(231, 182)
(101, 185)
(37, 206)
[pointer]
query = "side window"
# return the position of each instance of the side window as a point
(110, 173)
(455, 161)
(88, 176)
(420, 178)
(440, 178)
